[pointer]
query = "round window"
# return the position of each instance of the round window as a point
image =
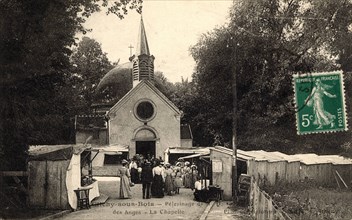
(145, 110)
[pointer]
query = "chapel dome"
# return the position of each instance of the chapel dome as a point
(120, 74)
(114, 85)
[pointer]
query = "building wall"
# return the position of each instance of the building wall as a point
(53, 175)
(223, 179)
(291, 171)
(123, 125)
(186, 143)
(321, 173)
(272, 172)
(99, 136)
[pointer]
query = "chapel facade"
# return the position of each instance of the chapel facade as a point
(144, 119)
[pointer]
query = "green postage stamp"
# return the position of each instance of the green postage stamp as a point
(320, 102)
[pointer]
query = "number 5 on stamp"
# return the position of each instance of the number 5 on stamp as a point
(320, 102)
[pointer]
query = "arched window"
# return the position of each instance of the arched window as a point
(145, 134)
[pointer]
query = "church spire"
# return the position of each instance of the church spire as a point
(142, 42)
(143, 62)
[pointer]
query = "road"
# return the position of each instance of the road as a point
(179, 206)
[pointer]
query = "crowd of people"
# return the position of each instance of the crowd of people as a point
(157, 178)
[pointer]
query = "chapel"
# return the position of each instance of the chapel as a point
(143, 121)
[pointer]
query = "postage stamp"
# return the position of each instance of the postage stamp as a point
(320, 102)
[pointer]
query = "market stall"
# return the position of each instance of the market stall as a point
(54, 172)
(101, 155)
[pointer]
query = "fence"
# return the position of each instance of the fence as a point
(262, 206)
(13, 188)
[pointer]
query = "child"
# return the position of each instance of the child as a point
(178, 180)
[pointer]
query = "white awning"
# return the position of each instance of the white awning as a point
(193, 150)
(115, 149)
(192, 156)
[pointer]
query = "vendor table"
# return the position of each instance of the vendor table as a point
(211, 193)
(82, 194)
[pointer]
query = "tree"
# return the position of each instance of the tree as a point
(266, 42)
(89, 65)
(36, 37)
(212, 81)
(163, 84)
(183, 97)
(273, 40)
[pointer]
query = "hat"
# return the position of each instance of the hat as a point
(162, 162)
(147, 162)
(124, 161)
(187, 163)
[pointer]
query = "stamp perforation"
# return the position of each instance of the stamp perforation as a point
(344, 100)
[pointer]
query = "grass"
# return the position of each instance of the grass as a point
(309, 201)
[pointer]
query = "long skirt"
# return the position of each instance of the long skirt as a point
(157, 186)
(194, 178)
(134, 176)
(125, 190)
(169, 185)
(187, 180)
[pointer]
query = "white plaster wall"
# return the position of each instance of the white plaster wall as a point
(123, 124)
(186, 143)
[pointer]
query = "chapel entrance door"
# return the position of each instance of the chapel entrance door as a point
(145, 148)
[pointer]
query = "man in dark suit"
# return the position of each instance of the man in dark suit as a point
(147, 179)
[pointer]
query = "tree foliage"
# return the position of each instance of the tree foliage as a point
(163, 84)
(89, 65)
(36, 37)
(264, 44)
(212, 81)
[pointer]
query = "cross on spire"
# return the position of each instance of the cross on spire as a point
(131, 47)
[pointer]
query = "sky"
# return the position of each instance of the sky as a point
(172, 27)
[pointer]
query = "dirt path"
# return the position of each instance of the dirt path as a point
(179, 206)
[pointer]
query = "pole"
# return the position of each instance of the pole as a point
(234, 125)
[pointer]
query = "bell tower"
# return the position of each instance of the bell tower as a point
(142, 61)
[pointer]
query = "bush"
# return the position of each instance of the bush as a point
(306, 200)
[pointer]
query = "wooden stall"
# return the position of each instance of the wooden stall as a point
(270, 167)
(222, 160)
(325, 169)
(108, 154)
(54, 172)
(345, 171)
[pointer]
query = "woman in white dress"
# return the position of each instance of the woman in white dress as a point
(315, 99)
